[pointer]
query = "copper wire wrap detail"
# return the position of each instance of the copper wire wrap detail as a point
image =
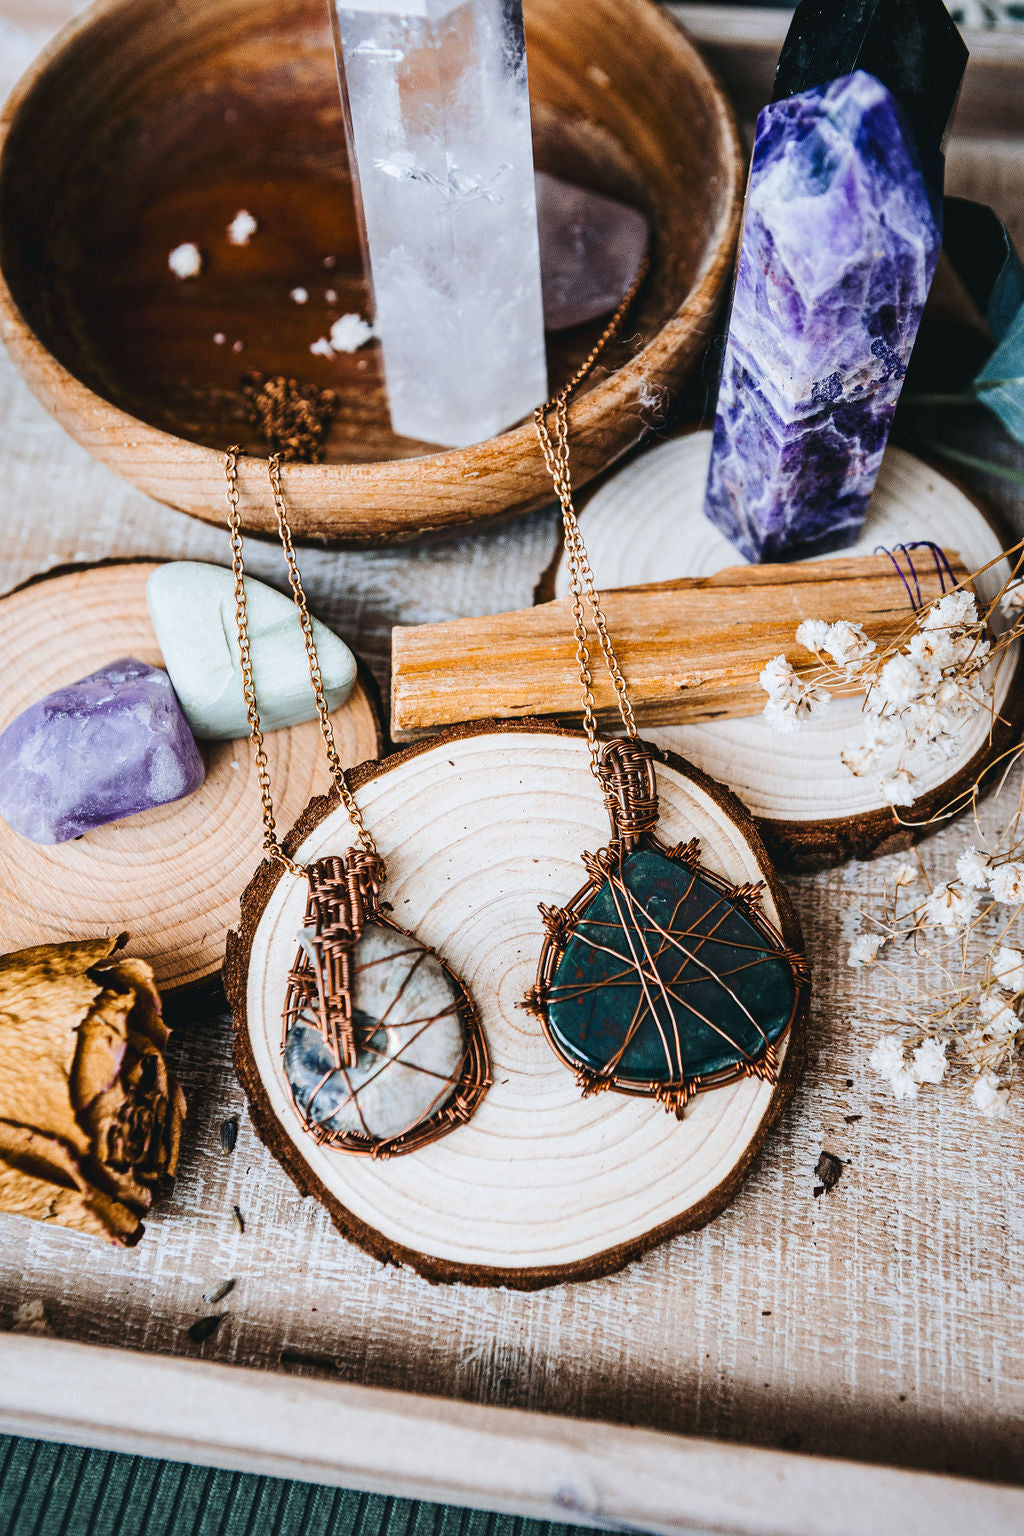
(627, 775)
(343, 896)
(343, 902)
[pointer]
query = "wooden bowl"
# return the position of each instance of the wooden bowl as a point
(146, 124)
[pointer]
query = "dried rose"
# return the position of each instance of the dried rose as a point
(90, 1117)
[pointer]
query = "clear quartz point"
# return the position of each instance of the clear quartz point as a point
(438, 121)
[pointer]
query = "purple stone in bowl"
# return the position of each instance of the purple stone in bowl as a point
(591, 247)
(111, 745)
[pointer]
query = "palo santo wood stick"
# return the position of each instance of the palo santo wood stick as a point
(690, 650)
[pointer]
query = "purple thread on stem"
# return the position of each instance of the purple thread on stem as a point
(906, 550)
(942, 565)
(883, 549)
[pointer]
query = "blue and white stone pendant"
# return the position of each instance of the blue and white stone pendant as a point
(382, 1048)
(659, 978)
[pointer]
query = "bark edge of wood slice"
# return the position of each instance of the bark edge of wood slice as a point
(658, 497)
(170, 877)
(478, 908)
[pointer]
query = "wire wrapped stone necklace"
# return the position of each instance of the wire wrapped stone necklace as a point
(658, 977)
(382, 1048)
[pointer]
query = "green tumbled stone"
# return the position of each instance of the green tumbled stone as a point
(192, 607)
(707, 998)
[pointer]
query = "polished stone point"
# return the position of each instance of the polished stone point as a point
(192, 606)
(108, 746)
(841, 236)
(411, 1044)
(665, 979)
(591, 247)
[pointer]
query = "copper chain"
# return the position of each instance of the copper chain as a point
(271, 846)
(555, 447)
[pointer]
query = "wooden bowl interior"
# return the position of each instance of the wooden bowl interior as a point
(155, 124)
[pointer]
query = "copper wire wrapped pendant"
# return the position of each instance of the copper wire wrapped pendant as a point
(659, 978)
(382, 1048)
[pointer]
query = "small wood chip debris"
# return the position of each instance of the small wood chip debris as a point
(829, 1169)
(229, 1133)
(219, 1292)
(309, 1360)
(205, 1327)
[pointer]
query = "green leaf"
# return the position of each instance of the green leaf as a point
(970, 460)
(1007, 298)
(980, 248)
(1000, 384)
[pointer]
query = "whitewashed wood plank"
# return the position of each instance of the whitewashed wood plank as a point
(606, 1476)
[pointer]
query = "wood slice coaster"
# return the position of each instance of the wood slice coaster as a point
(170, 877)
(477, 826)
(647, 524)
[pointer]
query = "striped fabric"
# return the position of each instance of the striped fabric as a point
(63, 1490)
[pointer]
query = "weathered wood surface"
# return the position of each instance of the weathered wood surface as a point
(692, 648)
(882, 1321)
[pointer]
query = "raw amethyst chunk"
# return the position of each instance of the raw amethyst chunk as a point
(108, 746)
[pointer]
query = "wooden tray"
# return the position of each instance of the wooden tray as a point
(697, 1391)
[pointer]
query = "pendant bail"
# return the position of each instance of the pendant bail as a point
(627, 775)
(343, 900)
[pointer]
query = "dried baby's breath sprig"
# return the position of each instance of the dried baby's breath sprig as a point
(967, 1028)
(968, 1025)
(920, 692)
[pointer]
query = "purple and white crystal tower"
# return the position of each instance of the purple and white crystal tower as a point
(438, 119)
(841, 235)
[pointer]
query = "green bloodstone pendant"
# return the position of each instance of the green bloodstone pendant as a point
(659, 978)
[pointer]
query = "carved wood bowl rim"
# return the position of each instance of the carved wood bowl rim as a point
(363, 504)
